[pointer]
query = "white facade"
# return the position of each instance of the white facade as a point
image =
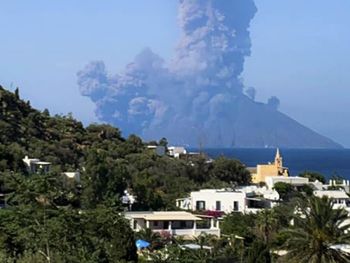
(293, 180)
(245, 200)
(175, 151)
(176, 223)
(218, 200)
(339, 197)
(35, 165)
(343, 184)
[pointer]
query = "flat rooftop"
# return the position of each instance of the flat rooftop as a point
(163, 216)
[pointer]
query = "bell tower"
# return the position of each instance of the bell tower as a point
(278, 159)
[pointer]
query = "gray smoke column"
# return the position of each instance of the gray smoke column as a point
(251, 93)
(191, 100)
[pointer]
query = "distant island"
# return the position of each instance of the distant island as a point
(250, 125)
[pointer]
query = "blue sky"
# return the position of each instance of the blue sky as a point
(300, 52)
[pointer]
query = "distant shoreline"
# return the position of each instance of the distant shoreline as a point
(329, 162)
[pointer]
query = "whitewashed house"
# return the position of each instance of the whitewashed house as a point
(35, 165)
(292, 180)
(176, 151)
(339, 197)
(332, 184)
(344, 184)
(177, 223)
(248, 199)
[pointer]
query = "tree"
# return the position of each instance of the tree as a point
(105, 179)
(163, 142)
(230, 171)
(17, 93)
(238, 224)
(259, 252)
(285, 190)
(318, 229)
(266, 226)
(36, 229)
(313, 176)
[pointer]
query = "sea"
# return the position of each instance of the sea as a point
(329, 162)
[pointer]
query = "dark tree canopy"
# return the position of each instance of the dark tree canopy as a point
(313, 176)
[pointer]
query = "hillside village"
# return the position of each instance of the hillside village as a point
(76, 194)
(211, 205)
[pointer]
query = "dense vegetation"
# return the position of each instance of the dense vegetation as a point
(109, 164)
(49, 220)
(269, 236)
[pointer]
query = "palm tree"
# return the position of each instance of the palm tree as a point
(266, 226)
(318, 229)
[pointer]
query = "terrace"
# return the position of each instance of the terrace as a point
(176, 223)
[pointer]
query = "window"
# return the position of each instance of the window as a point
(166, 224)
(200, 205)
(235, 206)
(155, 223)
(135, 224)
(218, 206)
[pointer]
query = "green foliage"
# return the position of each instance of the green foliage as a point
(259, 233)
(285, 190)
(108, 162)
(100, 235)
(230, 171)
(259, 252)
(306, 189)
(45, 220)
(163, 142)
(313, 176)
(318, 227)
(238, 224)
(37, 228)
(289, 192)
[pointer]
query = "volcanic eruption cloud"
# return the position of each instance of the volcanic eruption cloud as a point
(191, 98)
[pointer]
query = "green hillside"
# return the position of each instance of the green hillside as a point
(42, 211)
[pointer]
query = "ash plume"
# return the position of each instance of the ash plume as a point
(273, 102)
(251, 93)
(190, 99)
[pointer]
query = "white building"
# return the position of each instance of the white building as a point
(293, 180)
(345, 184)
(35, 165)
(248, 199)
(176, 223)
(332, 184)
(128, 199)
(339, 197)
(176, 151)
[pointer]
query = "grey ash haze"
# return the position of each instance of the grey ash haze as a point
(198, 97)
